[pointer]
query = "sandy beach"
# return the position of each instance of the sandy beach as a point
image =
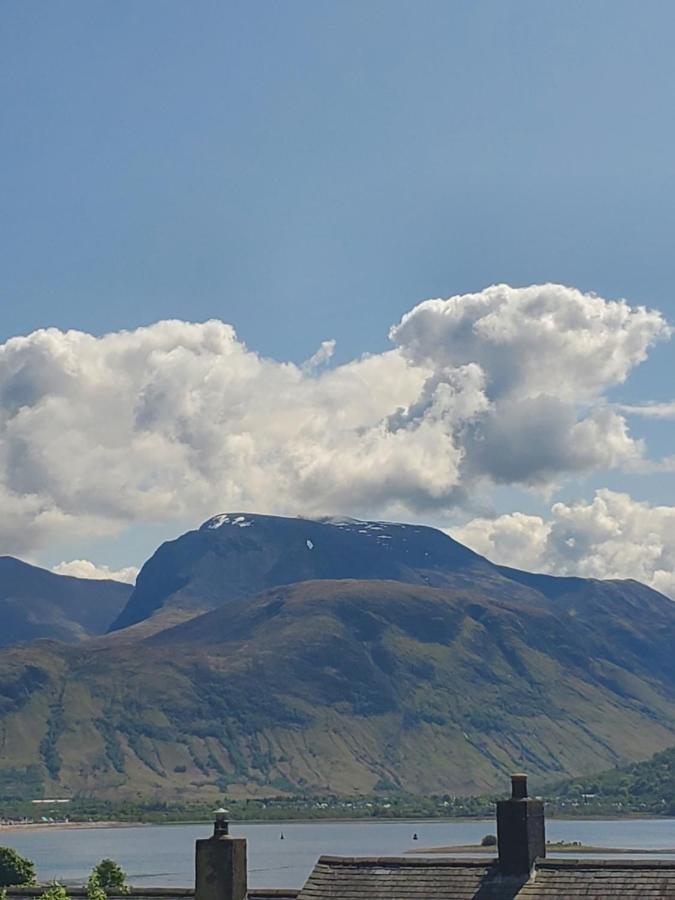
(42, 826)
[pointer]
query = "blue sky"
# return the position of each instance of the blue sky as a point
(312, 170)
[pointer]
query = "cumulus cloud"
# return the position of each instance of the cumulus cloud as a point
(548, 353)
(540, 340)
(83, 568)
(613, 536)
(181, 420)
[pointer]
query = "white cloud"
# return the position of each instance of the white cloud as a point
(514, 539)
(649, 410)
(547, 339)
(613, 536)
(178, 420)
(548, 353)
(321, 358)
(83, 568)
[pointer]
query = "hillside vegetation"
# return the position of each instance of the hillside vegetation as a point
(646, 787)
(344, 687)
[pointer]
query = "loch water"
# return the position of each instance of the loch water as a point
(163, 855)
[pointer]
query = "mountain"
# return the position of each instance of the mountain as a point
(427, 669)
(236, 555)
(35, 603)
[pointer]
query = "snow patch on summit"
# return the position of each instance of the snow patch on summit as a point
(379, 530)
(217, 521)
(225, 519)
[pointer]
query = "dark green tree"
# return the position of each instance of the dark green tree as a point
(14, 868)
(111, 877)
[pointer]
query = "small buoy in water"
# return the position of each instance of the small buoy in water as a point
(415, 836)
(281, 836)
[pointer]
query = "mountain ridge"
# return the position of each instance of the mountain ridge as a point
(36, 603)
(235, 555)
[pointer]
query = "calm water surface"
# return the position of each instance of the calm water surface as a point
(164, 854)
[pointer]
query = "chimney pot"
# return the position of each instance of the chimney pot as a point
(220, 824)
(518, 786)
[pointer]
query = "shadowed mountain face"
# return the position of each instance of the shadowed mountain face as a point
(340, 656)
(237, 555)
(35, 603)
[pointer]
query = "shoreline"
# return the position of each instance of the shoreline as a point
(584, 849)
(363, 820)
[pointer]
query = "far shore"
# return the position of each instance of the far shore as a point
(562, 847)
(10, 827)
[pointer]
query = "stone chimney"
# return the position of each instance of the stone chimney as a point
(520, 829)
(220, 864)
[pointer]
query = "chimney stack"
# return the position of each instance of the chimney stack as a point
(520, 829)
(220, 864)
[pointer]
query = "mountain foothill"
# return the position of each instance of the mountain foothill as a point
(262, 655)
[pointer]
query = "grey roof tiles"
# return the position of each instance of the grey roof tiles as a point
(393, 878)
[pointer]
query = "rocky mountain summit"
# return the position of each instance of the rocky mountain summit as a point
(236, 555)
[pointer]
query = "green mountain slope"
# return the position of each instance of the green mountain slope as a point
(344, 685)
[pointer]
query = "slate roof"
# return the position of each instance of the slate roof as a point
(394, 878)
(602, 878)
(401, 878)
